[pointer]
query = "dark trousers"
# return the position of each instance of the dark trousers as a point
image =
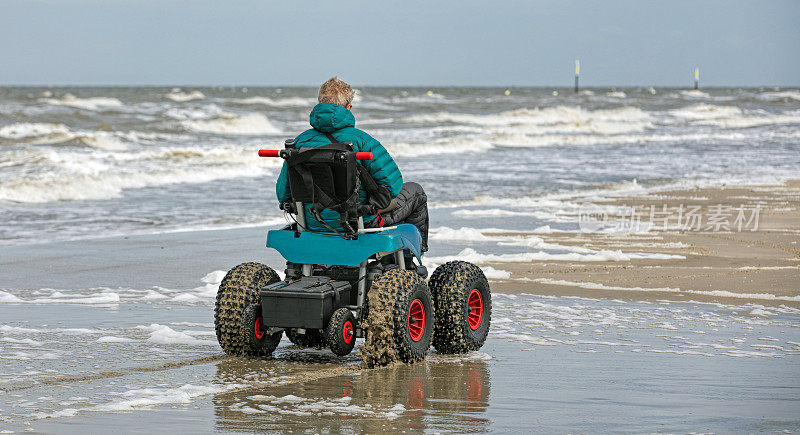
(412, 208)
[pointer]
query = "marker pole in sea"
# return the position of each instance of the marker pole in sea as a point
(577, 73)
(696, 78)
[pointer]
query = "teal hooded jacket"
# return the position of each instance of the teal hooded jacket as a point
(340, 123)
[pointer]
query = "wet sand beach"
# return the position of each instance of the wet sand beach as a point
(139, 352)
(732, 267)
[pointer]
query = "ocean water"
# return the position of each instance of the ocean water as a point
(120, 332)
(94, 162)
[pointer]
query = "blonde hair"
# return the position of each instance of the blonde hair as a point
(335, 91)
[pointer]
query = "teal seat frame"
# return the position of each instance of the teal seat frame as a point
(322, 248)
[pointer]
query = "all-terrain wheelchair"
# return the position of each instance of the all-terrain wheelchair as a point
(342, 284)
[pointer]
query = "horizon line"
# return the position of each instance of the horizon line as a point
(569, 87)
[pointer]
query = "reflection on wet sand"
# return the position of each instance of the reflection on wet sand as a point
(441, 393)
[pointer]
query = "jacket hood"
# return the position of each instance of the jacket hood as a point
(328, 117)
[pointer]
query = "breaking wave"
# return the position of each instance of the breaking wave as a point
(780, 96)
(67, 176)
(93, 103)
(576, 117)
(179, 96)
(49, 134)
(695, 93)
(52, 152)
(35, 133)
(23, 133)
(426, 98)
(731, 116)
(457, 145)
(251, 123)
(439, 146)
(279, 102)
(704, 111)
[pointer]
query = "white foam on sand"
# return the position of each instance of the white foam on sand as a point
(720, 293)
(565, 203)
(24, 341)
(469, 254)
(538, 243)
(104, 297)
(58, 297)
(469, 356)
(247, 124)
(301, 406)
(163, 334)
(596, 286)
(148, 397)
(492, 273)
(112, 339)
(496, 212)
(93, 103)
(206, 292)
(591, 325)
(545, 229)
(101, 297)
(144, 398)
(768, 267)
(468, 234)
(8, 329)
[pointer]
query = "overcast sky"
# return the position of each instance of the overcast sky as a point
(369, 42)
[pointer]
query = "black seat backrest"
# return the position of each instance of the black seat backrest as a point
(330, 168)
(327, 177)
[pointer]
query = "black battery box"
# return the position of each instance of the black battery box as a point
(307, 302)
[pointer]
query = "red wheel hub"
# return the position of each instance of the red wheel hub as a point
(474, 309)
(416, 320)
(347, 332)
(257, 328)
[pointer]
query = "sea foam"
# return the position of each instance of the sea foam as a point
(179, 96)
(471, 255)
(93, 103)
(248, 124)
(277, 102)
(77, 176)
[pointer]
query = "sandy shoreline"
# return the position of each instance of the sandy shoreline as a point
(149, 359)
(731, 267)
(761, 266)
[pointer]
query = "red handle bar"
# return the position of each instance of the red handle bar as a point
(277, 153)
(363, 156)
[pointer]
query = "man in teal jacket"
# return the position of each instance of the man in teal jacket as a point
(333, 116)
